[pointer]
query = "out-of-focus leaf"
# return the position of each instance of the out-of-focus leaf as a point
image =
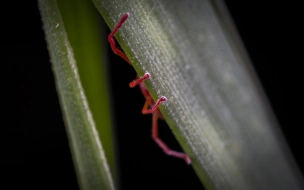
(87, 37)
(90, 162)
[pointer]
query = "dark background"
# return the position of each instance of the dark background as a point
(34, 150)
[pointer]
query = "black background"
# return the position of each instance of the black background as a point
(33, 143)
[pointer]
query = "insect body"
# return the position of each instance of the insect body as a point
(149, 100)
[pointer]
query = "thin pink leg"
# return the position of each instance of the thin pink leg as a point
(145, 110)
(139, 80)
(112, 41)
(162, 145)
(122, 54)
(155, 106)
(147, 103)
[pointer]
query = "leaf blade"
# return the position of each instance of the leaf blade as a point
(91, 60)
(215, 107)
(91, 166)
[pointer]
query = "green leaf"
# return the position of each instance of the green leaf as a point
(88, 40)
(215, 108)
(90, 162)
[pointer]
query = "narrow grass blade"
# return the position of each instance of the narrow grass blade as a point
(215, 107)
(87, 37)
(91, 165)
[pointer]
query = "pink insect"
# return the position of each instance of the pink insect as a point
(149, 100)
